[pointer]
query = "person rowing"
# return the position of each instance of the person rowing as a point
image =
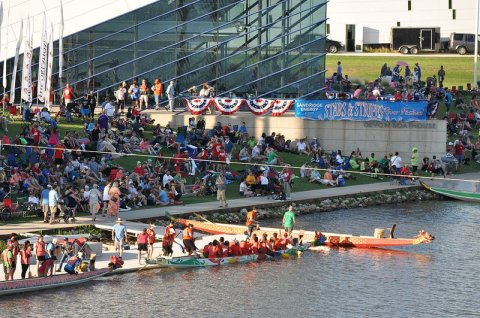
(189, 240)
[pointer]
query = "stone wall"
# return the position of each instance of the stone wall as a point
(429, 137)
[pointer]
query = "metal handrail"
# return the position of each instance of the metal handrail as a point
(152, 36)
(311, 93)
(120, 31)
(230, 56)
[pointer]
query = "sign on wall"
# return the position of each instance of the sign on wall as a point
(361, 110)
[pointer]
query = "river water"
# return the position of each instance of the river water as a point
(434, 280)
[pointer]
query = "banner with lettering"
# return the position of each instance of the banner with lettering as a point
(361, 110)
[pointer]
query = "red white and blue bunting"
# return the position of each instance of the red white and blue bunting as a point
(281, 106)
(228, 106)
(259, 106)
(197, 106)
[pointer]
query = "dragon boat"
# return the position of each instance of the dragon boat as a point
(329, 239)
(453, 192)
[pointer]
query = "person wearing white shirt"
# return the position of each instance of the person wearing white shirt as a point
(166, 179)
(396, 162)
(171, 95)
(52, 203)
(302, 147)
(109, 109)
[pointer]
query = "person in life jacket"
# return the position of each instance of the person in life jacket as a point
(251, 221)
(168, 239)
(189, 240)
(73, 263)
(320, 239)
(234, 249)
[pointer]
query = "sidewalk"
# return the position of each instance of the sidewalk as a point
(207, 207)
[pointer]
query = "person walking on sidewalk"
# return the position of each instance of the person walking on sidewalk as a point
(94, 198)
(53, 203)
(289, 220)
(119, 236)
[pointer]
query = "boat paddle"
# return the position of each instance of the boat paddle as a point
(203, 218)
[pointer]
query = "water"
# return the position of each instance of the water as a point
(435, 280)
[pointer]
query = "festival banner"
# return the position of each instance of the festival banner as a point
(48, 86)
(197, 106)
(42, 63)
(4, 74)
(281, 106)
(27, 66)
(361, 110)
(259, 106)
(228, 106)
(60, 47)
(15, 63)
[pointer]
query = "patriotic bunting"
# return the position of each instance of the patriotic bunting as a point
(228, 106)
(197, 106)
(281, 106)
(260, 106)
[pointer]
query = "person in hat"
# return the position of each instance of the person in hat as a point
(151, 235)
(189, 240)
(119, 236)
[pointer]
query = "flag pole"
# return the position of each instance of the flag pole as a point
(475, 59)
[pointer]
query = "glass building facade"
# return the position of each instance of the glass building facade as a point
(264, 48)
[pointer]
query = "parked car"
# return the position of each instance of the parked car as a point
(462, 43)
(315, 42)
(332, 46)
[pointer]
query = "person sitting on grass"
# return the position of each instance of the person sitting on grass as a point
(244, 190)
(354, 165)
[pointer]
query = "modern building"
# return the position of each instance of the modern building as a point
(265, 48)
(365, 22)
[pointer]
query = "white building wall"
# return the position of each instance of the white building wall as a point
(377, 17)
(77, 14)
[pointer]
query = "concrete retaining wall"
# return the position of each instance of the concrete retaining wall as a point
(429, 137)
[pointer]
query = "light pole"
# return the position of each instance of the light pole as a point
(475, 59)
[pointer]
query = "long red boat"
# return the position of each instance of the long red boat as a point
(331, 239)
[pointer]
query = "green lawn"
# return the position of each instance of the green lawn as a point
(362, 69)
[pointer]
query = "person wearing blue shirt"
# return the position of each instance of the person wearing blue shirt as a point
(228, 145)
(44, 202)
(119, 236)
(163, 196)
(448, 99)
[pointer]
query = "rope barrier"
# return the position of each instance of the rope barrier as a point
(369, 174)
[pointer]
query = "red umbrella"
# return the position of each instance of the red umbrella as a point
(402, 63)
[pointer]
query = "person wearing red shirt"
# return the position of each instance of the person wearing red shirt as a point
(398, 96)
(139, 169)
(168, 239)
(142, 244)
(58, 155)
(235, 249)
(68, 94)
(459, 151)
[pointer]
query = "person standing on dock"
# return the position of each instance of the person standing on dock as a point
(142, 239)
(150, 240)
(251, 222)
(288, 221)
(119, 236)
